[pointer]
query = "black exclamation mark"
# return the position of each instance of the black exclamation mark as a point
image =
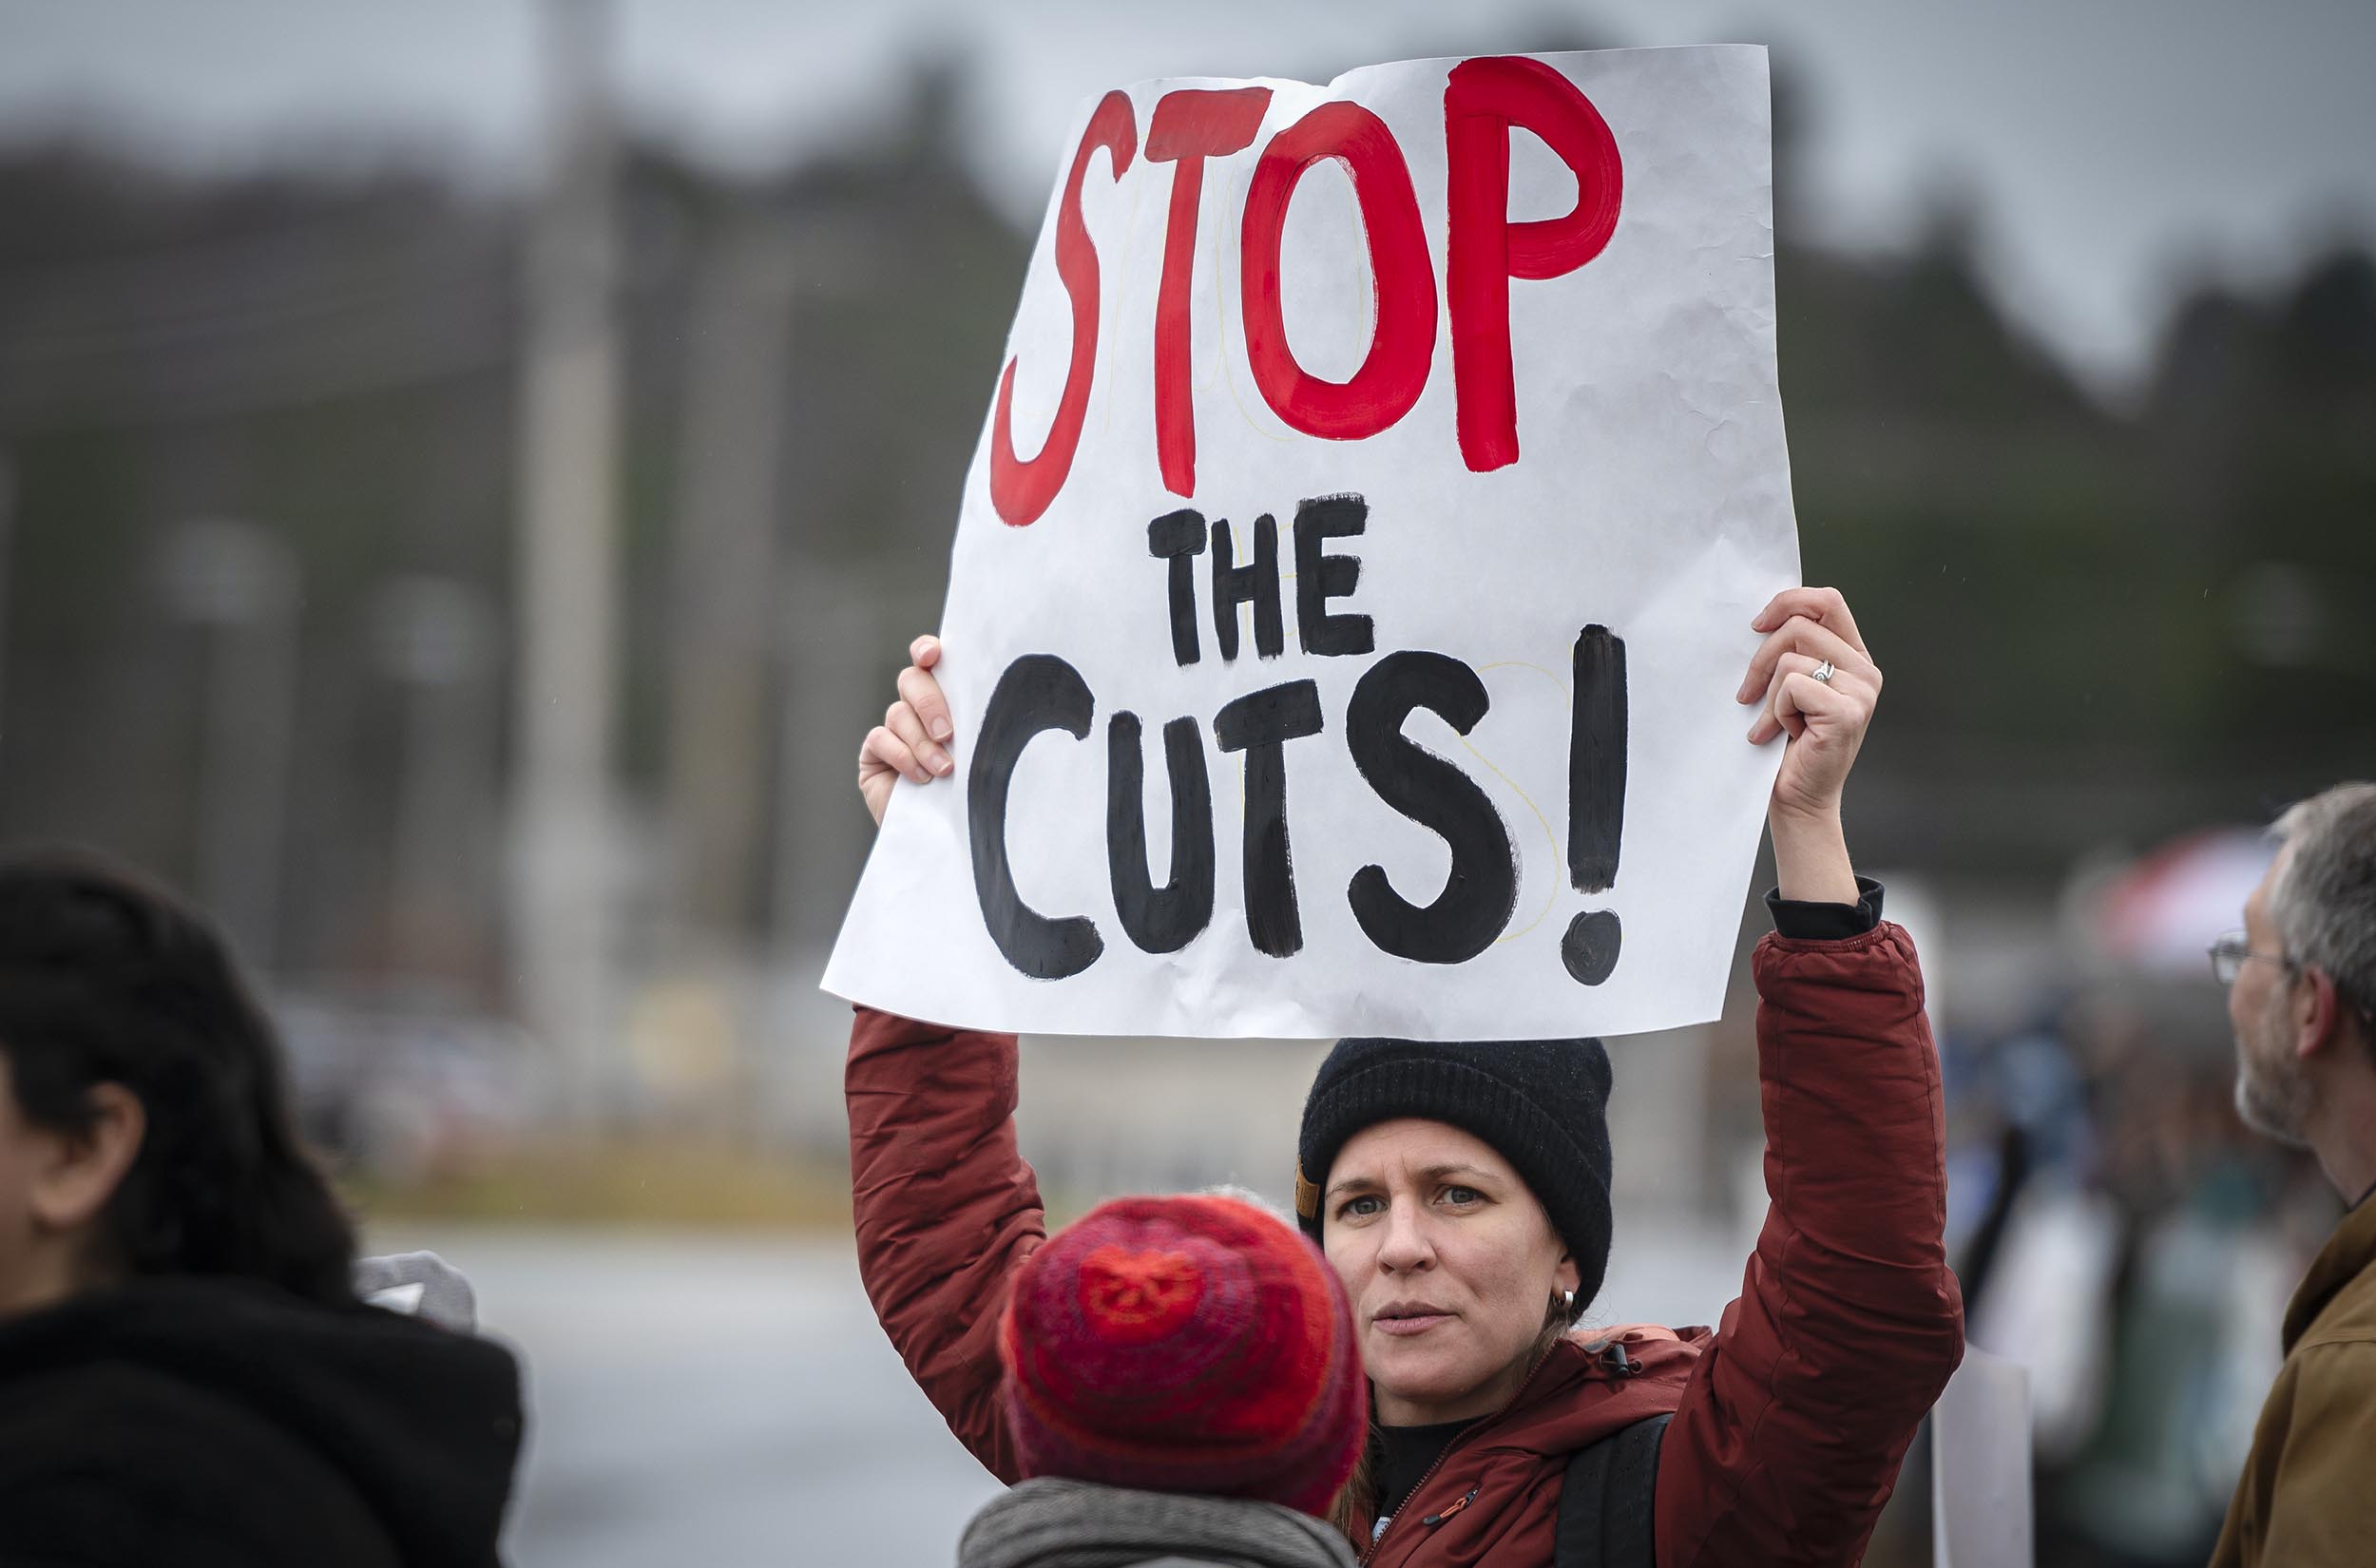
(1596, 801)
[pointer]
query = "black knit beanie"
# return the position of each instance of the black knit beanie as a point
(1542, 1104)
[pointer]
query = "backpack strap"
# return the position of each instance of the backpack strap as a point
(1606, 1502)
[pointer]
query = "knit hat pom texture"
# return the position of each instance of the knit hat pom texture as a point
(1187, 1344)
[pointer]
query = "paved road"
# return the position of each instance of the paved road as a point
(729, 1400)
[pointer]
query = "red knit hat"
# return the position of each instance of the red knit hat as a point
(1184, 1344)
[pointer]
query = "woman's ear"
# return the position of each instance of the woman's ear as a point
(76, 1173)
(1568, 1277)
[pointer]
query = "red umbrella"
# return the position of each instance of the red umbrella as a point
(2162, 912)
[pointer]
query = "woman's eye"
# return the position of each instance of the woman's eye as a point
(1360, 1207)
(1461, 1196)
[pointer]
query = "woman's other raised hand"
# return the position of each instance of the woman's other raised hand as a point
(913, 739)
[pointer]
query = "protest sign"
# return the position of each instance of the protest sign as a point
(1980, 1470)
(1354, 579)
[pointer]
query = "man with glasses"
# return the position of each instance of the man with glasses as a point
(2301, 980)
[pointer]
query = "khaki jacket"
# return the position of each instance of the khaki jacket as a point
(2308, 1497)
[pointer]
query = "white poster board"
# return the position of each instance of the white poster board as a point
(1980, 1468)
(1354, 575)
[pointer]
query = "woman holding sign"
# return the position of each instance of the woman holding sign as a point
(1460, 1194)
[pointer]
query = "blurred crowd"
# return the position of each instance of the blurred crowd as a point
(2119, 1230)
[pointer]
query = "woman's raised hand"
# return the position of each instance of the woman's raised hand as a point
(1807, 629)
(912, 740)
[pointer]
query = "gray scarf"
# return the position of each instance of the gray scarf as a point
(1056, 1523)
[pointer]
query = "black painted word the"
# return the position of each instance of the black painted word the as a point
(1320, 575)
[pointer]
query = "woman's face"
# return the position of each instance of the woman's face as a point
(1450, 1264)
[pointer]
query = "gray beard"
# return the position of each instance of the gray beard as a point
(2276, 1105)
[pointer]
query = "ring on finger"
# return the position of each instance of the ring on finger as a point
(1824, 672)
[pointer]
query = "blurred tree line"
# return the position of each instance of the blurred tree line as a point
(259, 438)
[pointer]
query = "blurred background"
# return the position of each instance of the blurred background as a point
(469, 471)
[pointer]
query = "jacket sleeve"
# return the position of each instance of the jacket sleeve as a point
(1849, 1321)
(946, 1209)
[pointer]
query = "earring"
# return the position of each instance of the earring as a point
(1567, 1302)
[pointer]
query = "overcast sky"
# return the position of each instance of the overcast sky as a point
(2117, 148)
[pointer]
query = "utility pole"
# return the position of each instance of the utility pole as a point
(723, 586)
(436, 637)
(8, 559)
(823, 632)
(565, 860)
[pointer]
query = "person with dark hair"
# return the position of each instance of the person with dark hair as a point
(1181, 1387)
(186, 1376)
(1461, 1192)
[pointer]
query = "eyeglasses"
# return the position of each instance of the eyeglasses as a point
(2233, 951)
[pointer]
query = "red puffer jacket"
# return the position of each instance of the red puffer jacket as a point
(1790, 1419)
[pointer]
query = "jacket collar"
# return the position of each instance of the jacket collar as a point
(2349, 1253)
(1057, 1524)
(1549, 1417)
(1582, 1390)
